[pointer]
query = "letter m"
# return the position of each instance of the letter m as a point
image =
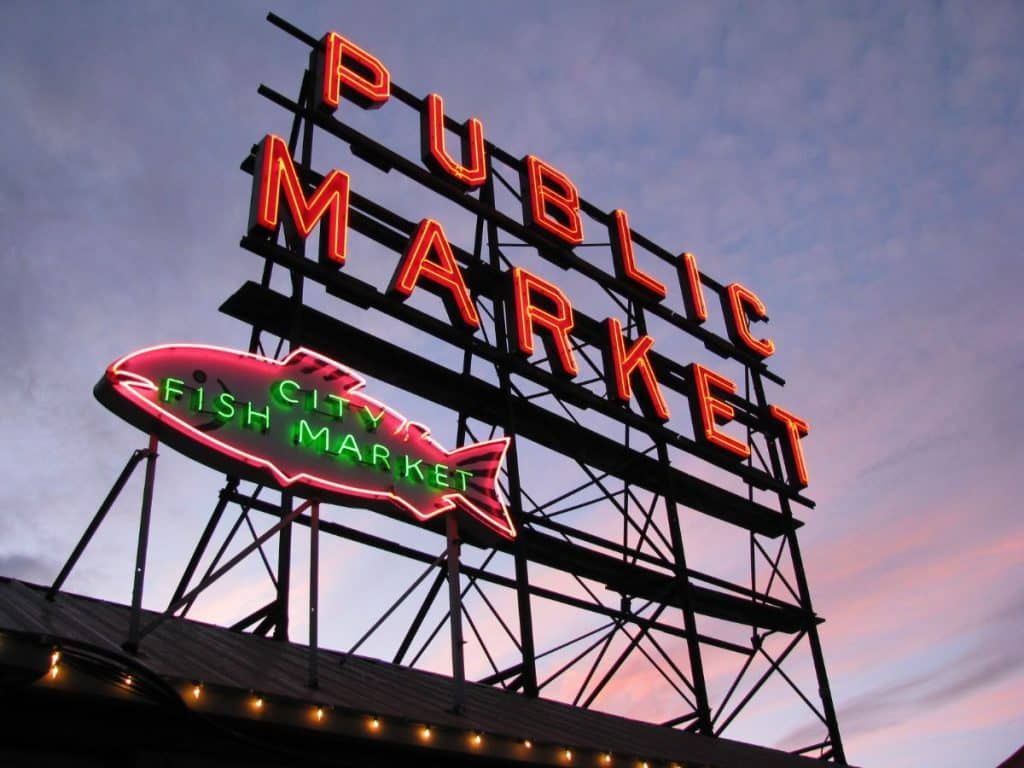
(274, 173)
(305, 437)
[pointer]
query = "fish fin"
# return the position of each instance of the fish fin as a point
(478, 493)
(412, 430)
(336, 375)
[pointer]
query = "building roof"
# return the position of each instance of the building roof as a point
(240, 665)
(1016, 760)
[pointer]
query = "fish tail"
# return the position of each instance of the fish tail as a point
(474, 473)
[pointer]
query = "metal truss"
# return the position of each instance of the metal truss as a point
(638, 605)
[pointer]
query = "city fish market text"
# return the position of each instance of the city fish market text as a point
(303, 423)
(345, 446)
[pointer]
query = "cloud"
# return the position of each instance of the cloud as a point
(994, 660)
(38, 570)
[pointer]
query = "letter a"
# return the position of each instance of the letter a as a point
(442, 273)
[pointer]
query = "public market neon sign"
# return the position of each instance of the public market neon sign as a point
(303, 423)
(539, 309)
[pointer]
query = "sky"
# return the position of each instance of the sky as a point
(859, 165)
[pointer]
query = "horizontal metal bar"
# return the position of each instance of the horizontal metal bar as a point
(811, 747)
(415, 102)
(626, 578)
(337, 529)
(680, 720)
(364, 295)
(481, 400)
(614, 546)
(548, 248)
(501, 675)
(252, 618)
(393, 231)
(245, 552)
(292, 30)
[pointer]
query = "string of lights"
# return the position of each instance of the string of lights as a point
(130, 676)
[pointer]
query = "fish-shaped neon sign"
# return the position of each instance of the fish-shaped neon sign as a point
(301, 423)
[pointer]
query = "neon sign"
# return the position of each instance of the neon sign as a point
(551, 209)
(302, 423)
(570, 369)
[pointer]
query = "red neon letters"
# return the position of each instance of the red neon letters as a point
(558, 322)
(345, 69)
(693, 293)
(621, 364)
(442, 273)
(552, 209)
(472, 171)
(796, 428)
(275, 172)
(625, 261)
(709, 412)
(737, 320)
(550, 201)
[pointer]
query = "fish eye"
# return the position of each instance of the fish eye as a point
(199, 375)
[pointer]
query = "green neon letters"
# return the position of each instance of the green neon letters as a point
(287, 395)
(408, 467)
(306, 438)
(380, 454)
(224, 406)
(283, 392)
(171, 389)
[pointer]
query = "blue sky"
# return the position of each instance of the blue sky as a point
(859, 165)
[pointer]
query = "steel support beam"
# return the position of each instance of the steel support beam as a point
(94, 524)
(132, 643)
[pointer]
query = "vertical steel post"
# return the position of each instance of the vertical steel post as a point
(528, 651)
(455, 613)
(314, 591)
(682, 575)
(824, 689)
(284, 549)
(284, 571)
(132, 644)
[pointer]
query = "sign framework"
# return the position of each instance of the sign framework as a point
(542, 398)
